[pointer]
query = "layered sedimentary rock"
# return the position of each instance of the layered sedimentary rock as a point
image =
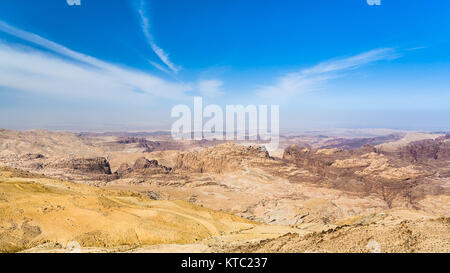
(220, 159)
(142, 167)
(95, 166)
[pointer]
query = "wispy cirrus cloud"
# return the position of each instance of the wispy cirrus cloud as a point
(63, 71)
(160, 67)
(163, 56)
(314, 77)
(210, 88)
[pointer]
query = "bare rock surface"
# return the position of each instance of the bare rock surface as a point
(390, 232)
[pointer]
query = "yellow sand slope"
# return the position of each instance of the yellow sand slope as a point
(37, 210)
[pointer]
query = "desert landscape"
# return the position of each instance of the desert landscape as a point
(229, 129)
(340, 191)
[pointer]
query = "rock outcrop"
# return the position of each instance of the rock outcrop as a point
(367, 173)
(95, 166)
(124, 169)
(222, 158)
(426, 150)
(144, 163)
(142, 167)
(147, 145)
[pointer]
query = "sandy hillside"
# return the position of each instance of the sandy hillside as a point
(36, 211)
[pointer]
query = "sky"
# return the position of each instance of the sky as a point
(124, 64)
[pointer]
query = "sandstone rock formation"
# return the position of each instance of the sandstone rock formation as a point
(426, 150)
(144, 163)
(222, 158)
(96, 166)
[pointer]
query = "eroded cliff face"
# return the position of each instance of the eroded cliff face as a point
(221, 159)
(426, 151)
(367, 171)
(94, 166)
(142, 167)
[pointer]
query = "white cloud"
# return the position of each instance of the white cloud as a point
(158, 51)
(160, 67)
(312, 78)
(352, 62)
(33, 70)
(210, 88)
(57, 48)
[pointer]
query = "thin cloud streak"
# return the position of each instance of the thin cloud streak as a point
(353, 62)
(160, 67)
(33, 70)
(310, 79)
(57, 48)
(145, 25)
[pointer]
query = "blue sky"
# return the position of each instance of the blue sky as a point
(122, 65)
